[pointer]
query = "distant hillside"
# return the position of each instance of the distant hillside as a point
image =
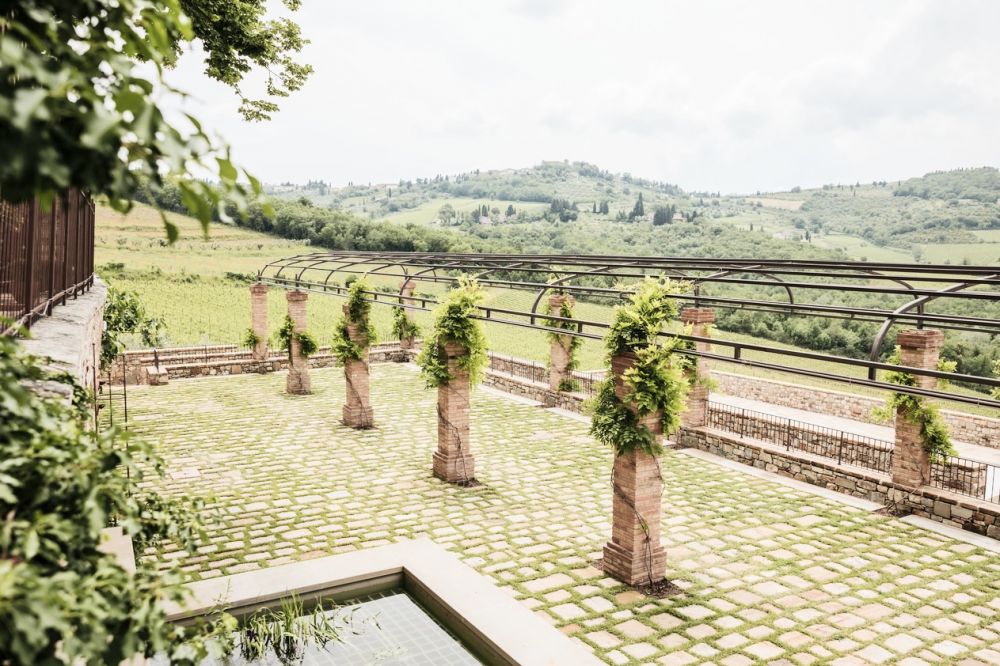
(942, 217)
(981, 184)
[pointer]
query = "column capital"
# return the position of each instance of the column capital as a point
(556, 299)
(693, 315)
(258, 288)
(925, 338)
(294, 296)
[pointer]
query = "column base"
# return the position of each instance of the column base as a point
(455, 468)
(298, 383)
(360, 418)
(634, 568)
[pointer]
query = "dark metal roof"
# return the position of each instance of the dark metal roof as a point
(902, 293)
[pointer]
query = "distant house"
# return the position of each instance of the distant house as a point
(485, 219)
(678, 217)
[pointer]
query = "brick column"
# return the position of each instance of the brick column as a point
(700, 321)
(559, 347)
(911, 465)
(634, 554)
(406, 290)
(258, 319)
(453, 460)
(298, 370)
(358, 411)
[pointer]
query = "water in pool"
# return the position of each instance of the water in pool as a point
(385, 629)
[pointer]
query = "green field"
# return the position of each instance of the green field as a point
(187, 286)
(978, 254)
(860, 249)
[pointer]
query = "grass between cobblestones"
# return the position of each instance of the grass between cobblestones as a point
(769, 573)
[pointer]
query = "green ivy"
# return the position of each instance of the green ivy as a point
(655, 382)
(689, 364)
(453, 323)
(934, 436)
(307, 343)
(570, 343)
(403, 328)
(637, 324)
(61, 599)
(359, 313)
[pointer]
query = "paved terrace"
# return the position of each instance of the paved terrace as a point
(770, 573)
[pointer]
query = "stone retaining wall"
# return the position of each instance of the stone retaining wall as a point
(231, 360)
(939, 505)
(969, 428)
(70, 337)
(534, 391)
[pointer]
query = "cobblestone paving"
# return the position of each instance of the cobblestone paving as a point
(770, 574)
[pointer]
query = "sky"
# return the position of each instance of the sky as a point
(711, 95)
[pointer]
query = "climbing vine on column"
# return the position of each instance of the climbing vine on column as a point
(307, 343)
(570, 343)
(403, 328)
(934, 436)
(655, 383)
(358, 313)
(453, 322)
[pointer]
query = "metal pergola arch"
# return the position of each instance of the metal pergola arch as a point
(541, 273)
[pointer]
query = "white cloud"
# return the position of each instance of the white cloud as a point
(716, 95)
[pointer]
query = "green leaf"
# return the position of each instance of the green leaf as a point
(30, 544)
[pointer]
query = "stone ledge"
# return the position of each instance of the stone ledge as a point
(70, 337)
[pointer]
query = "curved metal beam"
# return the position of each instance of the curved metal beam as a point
(917, 302)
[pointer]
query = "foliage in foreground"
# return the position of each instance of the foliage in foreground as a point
(654, 384)
(453, 323)
(77, 103)
(61, 598)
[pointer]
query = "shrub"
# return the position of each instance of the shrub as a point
(654, 383)
(453, 322)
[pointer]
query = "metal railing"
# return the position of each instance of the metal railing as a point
(966, 477)
(46, 256)
(532, 371)
(844, 447)
(973, 478)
